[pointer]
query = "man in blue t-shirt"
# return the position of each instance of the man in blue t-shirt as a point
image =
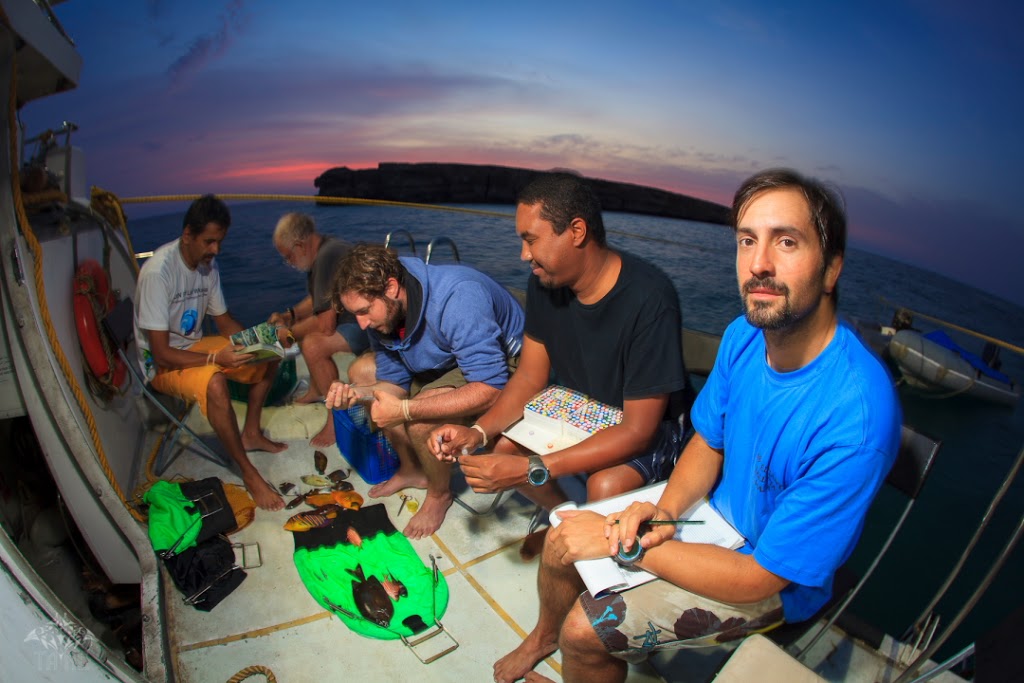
(796, 428)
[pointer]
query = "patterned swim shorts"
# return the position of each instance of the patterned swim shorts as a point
(658, 615)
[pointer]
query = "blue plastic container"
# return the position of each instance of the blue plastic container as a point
(368, 452)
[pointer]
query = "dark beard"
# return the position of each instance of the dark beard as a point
(761, 315)
(395, 317)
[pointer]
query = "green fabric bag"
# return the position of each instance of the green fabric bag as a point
(368, 574)
(172, 516)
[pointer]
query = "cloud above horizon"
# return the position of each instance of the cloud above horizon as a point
(911, 110)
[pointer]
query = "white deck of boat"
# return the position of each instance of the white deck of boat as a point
(272, 620)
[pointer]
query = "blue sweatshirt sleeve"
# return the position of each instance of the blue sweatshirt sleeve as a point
(469, 323)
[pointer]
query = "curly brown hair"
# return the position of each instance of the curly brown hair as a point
(365, 270)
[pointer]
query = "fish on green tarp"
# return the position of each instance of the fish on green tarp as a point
(375, 598)
(315, 519)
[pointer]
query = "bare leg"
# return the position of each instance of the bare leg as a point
(317, 349)
(253, 438)
(409, 474)
(558, 587)
(584, 656)
(361, 372)
(225, 425)
(435, 506)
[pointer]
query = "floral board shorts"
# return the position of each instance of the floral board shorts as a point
(660, 616)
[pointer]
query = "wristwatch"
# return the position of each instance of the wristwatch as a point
(536, 471)
(628, 558)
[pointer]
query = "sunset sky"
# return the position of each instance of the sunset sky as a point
(913, 108)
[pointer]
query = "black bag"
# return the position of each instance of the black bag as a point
(205, 571)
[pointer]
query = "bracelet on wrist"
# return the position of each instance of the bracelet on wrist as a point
(405, 410)
(482, 434)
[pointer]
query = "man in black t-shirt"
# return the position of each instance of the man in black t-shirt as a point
(600, 322)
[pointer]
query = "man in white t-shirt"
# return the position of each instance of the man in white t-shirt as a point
(178, 287)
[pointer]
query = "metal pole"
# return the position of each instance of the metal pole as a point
(965, 610)
(986, 518)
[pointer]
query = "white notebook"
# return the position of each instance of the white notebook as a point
(604, 575)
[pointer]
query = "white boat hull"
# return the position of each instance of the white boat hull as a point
(932, 367)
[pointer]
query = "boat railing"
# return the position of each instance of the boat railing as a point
(440, 241)
(407, 235)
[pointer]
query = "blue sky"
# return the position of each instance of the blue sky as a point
(912, 108)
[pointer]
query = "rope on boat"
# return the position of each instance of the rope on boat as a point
(107, 205)
(253, 671)
(44, 308)
(979, 335)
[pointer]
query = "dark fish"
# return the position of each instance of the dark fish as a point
(338, 476)
(295, 502)
(317, 519)
(374, 598)
(320, 461)
(342, 486)
(285, 487)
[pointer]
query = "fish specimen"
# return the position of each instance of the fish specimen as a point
(374, 598)
(317, 499)
(342, 486)
(285, 487)
(339, 475)
(353, 537)
(320, 461)
(294, 502)
(347, 499)
(316, 519)
(317, 481)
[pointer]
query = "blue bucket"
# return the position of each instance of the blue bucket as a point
(368, 452)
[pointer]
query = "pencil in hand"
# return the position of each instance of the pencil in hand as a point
(673, 522)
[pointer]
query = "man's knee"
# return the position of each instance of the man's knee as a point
(217, 390)
(612, 481)
(363, 370)
(577, 634)
(316, 345)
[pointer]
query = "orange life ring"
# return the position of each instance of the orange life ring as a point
(92, 296)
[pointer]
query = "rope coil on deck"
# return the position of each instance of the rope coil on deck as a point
(253, 670)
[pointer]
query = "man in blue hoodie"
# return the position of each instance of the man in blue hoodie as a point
(445, 340)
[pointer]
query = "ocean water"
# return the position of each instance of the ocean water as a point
(980, 441)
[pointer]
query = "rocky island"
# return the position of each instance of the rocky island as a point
(441, 183)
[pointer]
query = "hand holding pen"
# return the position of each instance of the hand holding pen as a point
(644, 524)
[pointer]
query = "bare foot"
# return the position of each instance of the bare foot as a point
(533, 544)
(429, 517)
(259, 442)
(534, 677)
(325, 437)
(520, 661)
(309, 397)
(264, 496)
(401, 480)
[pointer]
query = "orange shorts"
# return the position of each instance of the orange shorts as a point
(189, 384)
